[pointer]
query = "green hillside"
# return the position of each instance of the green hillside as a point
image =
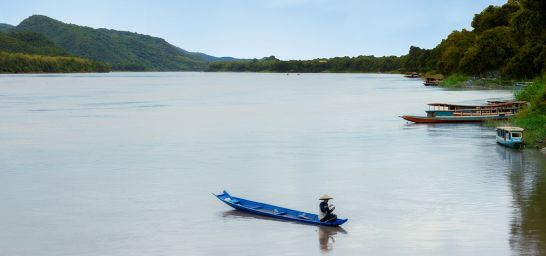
(29, 52)
(210, 58)
(123, 50)
(5, 27)
(29, 42)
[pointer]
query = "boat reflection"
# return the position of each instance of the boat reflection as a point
(246, 216)
(326, 235)
(527, 176)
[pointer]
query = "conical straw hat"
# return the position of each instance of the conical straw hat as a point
(325, 197)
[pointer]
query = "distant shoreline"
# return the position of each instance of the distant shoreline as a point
(197, 71)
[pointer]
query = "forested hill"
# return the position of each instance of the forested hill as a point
(5, 27)
(23, 52)
(30, 43)
(122, 50)
(507, 40)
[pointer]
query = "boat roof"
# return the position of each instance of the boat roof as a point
(510, 128)
(494, 104)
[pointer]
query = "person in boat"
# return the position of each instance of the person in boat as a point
(326, 210)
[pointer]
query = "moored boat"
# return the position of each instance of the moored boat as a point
(431, 82)
(412, 75)
(510, 136)
(453, 113)
(274, 211)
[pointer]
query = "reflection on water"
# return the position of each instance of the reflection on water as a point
(247, 216)
(528, 184)
(326, 235)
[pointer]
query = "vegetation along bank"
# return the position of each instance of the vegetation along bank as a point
(533, 119)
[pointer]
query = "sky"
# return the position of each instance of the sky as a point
(287, 29)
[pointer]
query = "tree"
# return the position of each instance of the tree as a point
(451, 50)
(494, 16)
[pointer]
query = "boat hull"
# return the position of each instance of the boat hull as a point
(452, 119)
(510, 144)
(273, 211)
(430, 84)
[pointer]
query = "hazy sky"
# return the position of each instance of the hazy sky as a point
(288, 29)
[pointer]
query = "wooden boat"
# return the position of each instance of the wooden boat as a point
(510, 136)
(431, 82)
(452, 113)
(412, 75)
(274, 211)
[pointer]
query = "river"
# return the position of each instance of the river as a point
(125, 163)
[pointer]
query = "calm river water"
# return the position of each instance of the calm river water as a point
(125, 163)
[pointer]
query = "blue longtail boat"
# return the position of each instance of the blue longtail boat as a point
(258, 208)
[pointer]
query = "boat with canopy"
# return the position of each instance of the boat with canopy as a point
(510, 136)
(454, 113)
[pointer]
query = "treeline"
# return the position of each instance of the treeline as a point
(508, 40)
(338, 64)
(30, 63)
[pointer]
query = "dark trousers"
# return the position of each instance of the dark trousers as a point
(329, 217)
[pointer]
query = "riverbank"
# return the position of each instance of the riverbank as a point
(533, 119)
(463, 81)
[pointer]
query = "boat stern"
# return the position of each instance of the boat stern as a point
(339, 222)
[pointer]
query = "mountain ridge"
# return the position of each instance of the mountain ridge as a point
(4, 27)
(123, 50)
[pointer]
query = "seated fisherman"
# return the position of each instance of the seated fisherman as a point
(326, 211)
